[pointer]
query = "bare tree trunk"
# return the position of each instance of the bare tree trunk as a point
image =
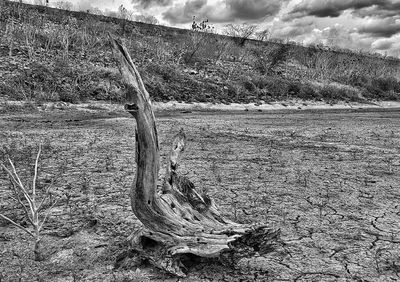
(179, 222)
(37, 250)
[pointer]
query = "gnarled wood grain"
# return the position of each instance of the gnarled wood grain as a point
(178, 221)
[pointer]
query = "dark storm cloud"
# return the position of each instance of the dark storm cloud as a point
(330, 8)
(185, 13)
(149, 3)
(383, 10)
(252, 10)
(223, 12)
(381, 28)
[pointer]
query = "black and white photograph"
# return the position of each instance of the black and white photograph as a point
(199, 140)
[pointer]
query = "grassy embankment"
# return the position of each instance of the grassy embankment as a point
(55, 55)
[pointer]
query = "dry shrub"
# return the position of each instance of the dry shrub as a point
(168, 72)
(333, 93)
(267, 57)
(307, 92)
(63, 82)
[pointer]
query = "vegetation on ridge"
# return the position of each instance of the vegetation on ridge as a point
(49, 54)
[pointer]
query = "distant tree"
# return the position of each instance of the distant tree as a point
(126, 16)
(278, 56)
(202, 46)
(240, 31)
(263, 35)
(202, 26)
(124, 13)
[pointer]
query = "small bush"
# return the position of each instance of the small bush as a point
(392, 96)
(308, 93)
(166, 71)
(376, 94)
(280, 87)
(352, 96)
(277, 87)
(27, 196)
(10, 91)
(331, 93)
(248, 83)
(234, 91)
(386, 84)
(107, 90)
(278, 56)
(260, 60)
(294, 88)
(373, 92)
(67, 94)
(158, 91)
(376, 88)
(201, 47)
(356, 80)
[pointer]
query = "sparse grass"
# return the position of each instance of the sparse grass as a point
(60, 57)
(10, 107)
(62, 82)
(333, 94)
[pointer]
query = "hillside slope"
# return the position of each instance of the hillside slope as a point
(48, 54)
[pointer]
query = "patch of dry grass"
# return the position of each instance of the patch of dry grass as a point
(55, 55)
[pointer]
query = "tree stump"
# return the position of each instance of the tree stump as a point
(179, 223)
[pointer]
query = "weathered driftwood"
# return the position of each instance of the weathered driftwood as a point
(179, 222)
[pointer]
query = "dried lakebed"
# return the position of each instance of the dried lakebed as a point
(329, 179)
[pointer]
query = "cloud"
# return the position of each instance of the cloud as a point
(222, 11)
(184, 13)
(330, 8)
(355, 24)
(103, 5)
(338, 36)
(382, 10)
(389, 46)
(309, 31)
(253, 9)
(380, 27)
(84, 5)
(150, 3)
(292, 30)
(382, 44)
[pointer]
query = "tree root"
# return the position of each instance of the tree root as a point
(181, 224)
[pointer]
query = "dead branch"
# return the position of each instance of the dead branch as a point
(31, 208)
(177, 221)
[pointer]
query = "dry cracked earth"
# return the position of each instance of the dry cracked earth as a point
(329, 180)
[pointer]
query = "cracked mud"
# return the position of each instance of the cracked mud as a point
(328, 179)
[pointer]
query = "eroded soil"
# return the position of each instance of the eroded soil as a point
(330, 180)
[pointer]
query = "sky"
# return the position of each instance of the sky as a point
(370, 25)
